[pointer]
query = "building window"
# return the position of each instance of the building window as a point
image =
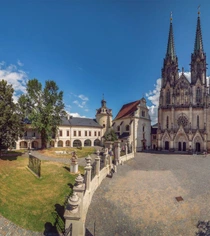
(95, 133)
(168, 97)
(143, 113)
(99, 133)
(143, 128)
(104, 125)
(34, 134)
(167, 122)
(154, 137)
(197, 121)
(85, 133)
(25, 134)
(60, 133)
(127, 128)
(89, 133)
(198, 95)
(79, 133)
(67, 133)
(75, 133)
(118, 128)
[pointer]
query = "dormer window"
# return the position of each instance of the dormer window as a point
(127, 128)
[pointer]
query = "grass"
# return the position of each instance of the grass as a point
(85, 151)
(28, 201)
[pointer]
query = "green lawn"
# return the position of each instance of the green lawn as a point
(79, 152)
(28, 201)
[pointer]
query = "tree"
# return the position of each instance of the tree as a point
(43, 107)
(110, 136)
(11, 120)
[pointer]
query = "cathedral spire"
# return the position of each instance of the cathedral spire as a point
(170, 47)
(198, 47)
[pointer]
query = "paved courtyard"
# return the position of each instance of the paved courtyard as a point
(140, 198)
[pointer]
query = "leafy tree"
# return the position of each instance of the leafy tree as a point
(110, 136)
(44, 107)
(11, 125)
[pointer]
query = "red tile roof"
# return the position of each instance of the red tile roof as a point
(127, 110)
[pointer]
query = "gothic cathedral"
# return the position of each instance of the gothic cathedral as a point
(184, 106)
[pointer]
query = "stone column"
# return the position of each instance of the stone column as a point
(97, 159)
(88, 169)
(117, 152)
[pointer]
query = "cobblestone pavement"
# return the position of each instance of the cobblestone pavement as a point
(140, 198)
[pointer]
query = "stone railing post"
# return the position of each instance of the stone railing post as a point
(105, 157)
(117, 152)
(88, 169)
(73, 223)
(97, 159)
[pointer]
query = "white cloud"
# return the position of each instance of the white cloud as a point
(83, 97)
(20, 63)
(75, 114)
(153, 97)
(81, 101)
(17, 78)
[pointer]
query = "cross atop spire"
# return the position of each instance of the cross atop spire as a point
(198, 36)
(170, 47)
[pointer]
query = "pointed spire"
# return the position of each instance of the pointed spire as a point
(170, 47)
(198, 37)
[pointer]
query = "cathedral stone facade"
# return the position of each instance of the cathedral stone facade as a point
(184, 106)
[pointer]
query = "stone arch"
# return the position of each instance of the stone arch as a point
(23, 144)
(60, 143)
(97, 142)
(198, 143)
(181, 142)
(52, 143)
(87, 142)
(34, 144)
(67, 143)
(166, 141)
(77, 143)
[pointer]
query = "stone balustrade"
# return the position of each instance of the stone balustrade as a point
(84, 188)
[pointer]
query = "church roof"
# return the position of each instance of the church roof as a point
(198, 36)
(171, 47)
(127, 110)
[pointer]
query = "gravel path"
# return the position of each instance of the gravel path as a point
(140, 198)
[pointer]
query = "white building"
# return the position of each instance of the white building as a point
(132, 124)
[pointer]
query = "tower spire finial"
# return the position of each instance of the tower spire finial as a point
(198, 37)
(170, 47)
(199, 10)
(171, 18)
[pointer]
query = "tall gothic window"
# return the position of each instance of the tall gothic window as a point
(168, 97)
(197, 121)
(198, 95)
(167, 122)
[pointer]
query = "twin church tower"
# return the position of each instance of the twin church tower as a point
(184, 106)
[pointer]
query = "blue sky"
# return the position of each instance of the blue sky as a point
(95, 47)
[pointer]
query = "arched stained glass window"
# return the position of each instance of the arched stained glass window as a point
(167, 122)
(168, 97)
(198, 95)
(197, 121)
